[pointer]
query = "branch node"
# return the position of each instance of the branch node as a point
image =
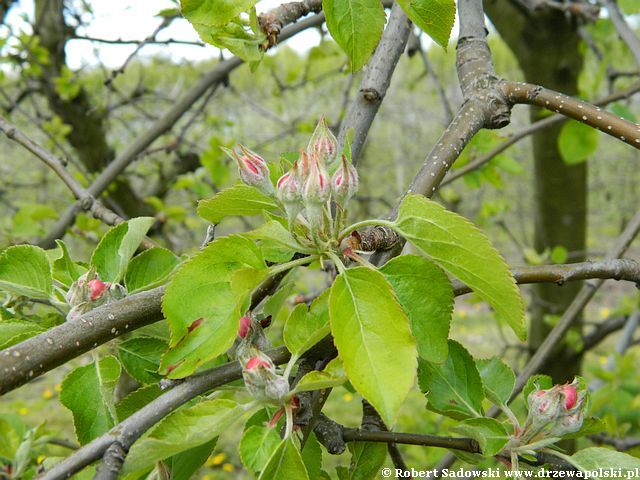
(371, 95)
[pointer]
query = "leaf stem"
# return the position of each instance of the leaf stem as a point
(339, 265)
(293, 263)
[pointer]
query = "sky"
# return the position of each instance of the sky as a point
(135, 20)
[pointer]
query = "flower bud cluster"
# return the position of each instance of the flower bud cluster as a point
(557, 411)
(89, 292)
(258, 370)
(319, 176)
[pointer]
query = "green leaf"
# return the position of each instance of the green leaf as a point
(454, 388)
(256, 446)
(355, 25)
(235, 37)
(118, 245)
(285, 463)
(366, 460)
(149, 269)
(426, 295)
(536, 382)
(333, 375)
(136, 400)
(214, 12)
(307, 326)
(461, 249)
(140, 357)
(88, 393)
(559, 254)
(201, 306)
(490, 434)
(274, 232)
(312, 457)
(184, 464)
(65, 270)
(15, 331)
(25, 270)
(237, 200)
(372, 335)
(434, 17)
(577, 142)
(182, 430)
(591, 459)
(497, 378)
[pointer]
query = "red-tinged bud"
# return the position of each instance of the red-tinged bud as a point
(97, 288)
(323, 144)
(316, 189)
(344, 183)
(288, 192)
(245, 325)
(559, 410)
(256, 362)
(570, 396)
(252, 168)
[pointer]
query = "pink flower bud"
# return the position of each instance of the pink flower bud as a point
(245, 325)
(256, 362)
(559, 410)
(323, 144)
(97, 288)
(570, 396)
(344, 183)
(316, 189)
(252, 168)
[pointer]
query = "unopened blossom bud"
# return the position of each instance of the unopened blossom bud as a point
(252, 168)
(261, 380)
(97, 288)
(288, 192)
(344, 183)
(559, 410)
(323, 143)
(317, 188)
(244, 326)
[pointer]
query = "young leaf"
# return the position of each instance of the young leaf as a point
(366, 459)
(88, 393)
(274, 232)
(256, 446)
(214, 12)
(285, 463)
(355, 25)
(136, 400)
(457, 246)
(65, 270)
(15, 331)
(490, 434)
(200, 305)
(535, 382)
(594, 458)
(184, 464)
(371, 332)
(434, 17)
(307, 326)
(182, 430)
(149, 269)
(235, 37)
(332, 376)
(140, 357)
(116, 248)
(577, 142)
(426, 295)
(497, 378)
(25, 270)
(454, 388)
(312, 457)
(237, 200)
